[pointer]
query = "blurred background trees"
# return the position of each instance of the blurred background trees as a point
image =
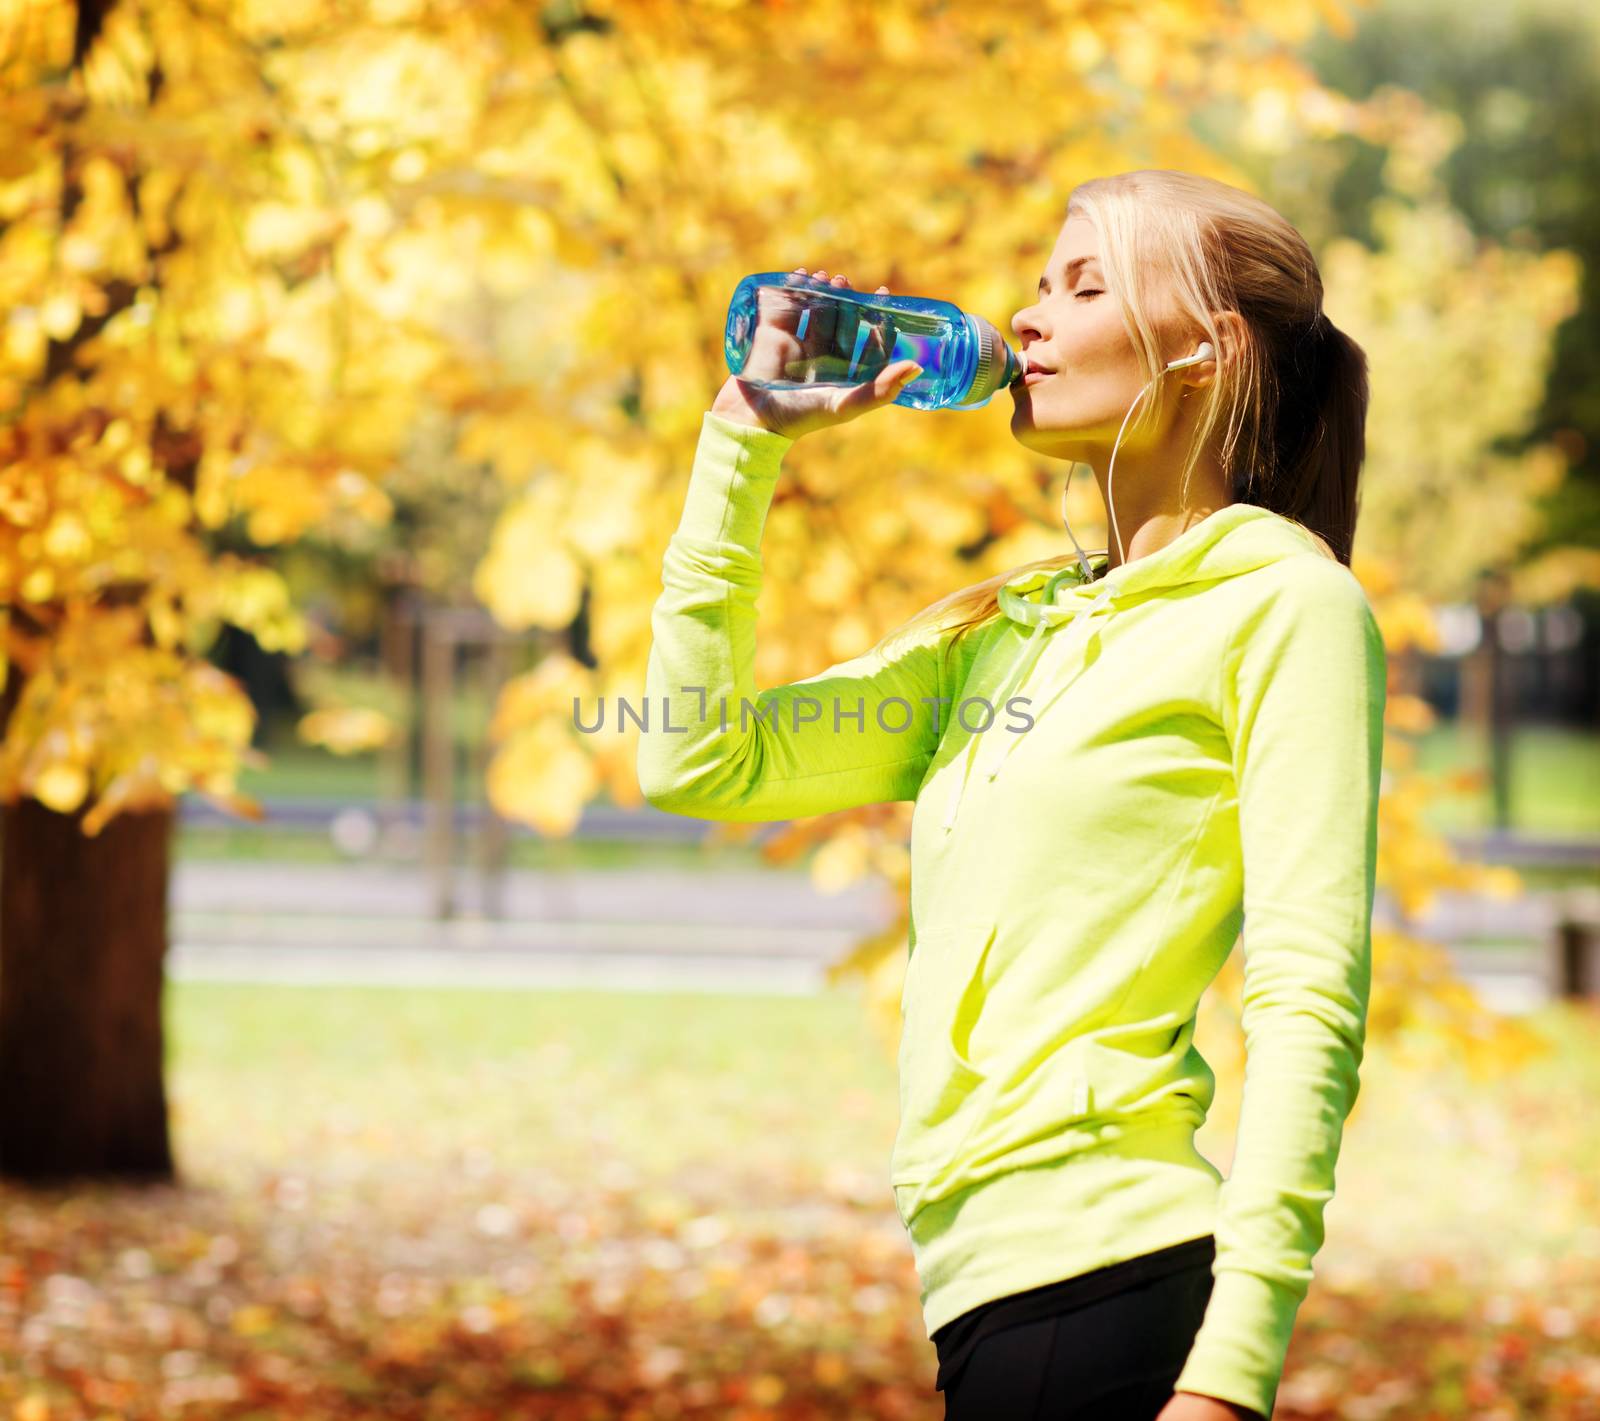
(1512, 94)
(318, 319)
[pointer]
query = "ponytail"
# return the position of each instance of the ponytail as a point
(1318, 399)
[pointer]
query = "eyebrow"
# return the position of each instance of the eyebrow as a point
(1072, 266)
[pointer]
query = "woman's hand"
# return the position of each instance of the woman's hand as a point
(780, 352)
(1191, 1406)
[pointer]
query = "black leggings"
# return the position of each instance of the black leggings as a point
(1116, 1359)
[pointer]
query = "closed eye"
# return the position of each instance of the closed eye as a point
(1081, 294)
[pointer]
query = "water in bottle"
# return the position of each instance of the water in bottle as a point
(786, 329)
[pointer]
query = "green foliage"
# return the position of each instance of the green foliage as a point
(1522, 82)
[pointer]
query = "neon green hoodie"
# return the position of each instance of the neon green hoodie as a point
(1184, 747)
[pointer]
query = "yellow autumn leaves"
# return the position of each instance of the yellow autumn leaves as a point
(545, 773)
(236, 330)
(114, 603)
(593, 505)
(103, 716)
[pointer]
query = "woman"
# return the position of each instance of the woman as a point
(1203, 707)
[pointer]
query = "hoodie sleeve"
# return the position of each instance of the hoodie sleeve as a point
(861, 732)
(1303, 688)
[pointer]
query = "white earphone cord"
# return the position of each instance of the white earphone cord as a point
(1204, 352)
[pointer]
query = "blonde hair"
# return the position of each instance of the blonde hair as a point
(1290, 400)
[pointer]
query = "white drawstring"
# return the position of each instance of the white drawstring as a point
(1019, 673)
(1024, 665)
(1085, 619)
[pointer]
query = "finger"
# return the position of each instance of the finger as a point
(888, 384)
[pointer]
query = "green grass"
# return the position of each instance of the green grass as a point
(1555, 779)
(793, 1087)
(1548, 878)
(307, 772)
(665, 1080)
(302, 771)
(299, 771)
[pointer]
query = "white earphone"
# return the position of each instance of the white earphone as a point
(1202, 352)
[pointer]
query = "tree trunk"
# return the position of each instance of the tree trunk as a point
(1493, 599)
(83, 931)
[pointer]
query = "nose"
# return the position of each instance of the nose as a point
(1022, 326)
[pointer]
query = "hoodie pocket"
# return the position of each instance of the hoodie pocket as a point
(940, 1004)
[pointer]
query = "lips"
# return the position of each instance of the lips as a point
(1032, 372)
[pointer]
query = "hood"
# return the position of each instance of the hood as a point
(1237, 538)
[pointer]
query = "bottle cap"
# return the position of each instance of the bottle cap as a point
(998, 365)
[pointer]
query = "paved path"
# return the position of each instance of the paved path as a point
(395, 892)
(636, 929)
(642, 930)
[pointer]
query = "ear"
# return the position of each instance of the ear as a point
(1227, 345)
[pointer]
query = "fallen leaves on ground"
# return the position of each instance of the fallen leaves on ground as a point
(393, 1252)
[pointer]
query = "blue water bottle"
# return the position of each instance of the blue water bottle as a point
(802, 331)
